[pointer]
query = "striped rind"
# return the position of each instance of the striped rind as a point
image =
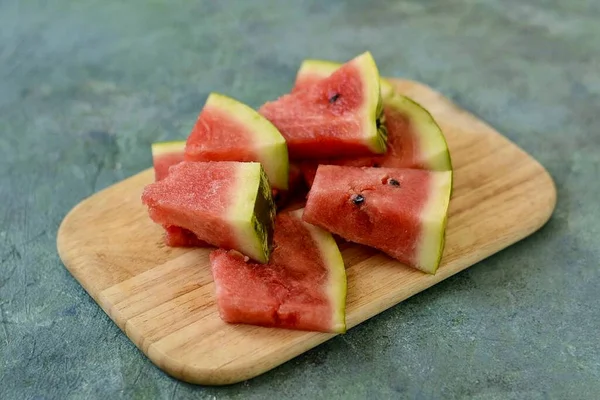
(160, 148)
(433, 149)
(252, 233)
(271, 147)
(433, 222)
(336, 284)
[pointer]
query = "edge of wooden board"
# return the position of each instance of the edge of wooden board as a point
(239, 371)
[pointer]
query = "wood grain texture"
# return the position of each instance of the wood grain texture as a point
(162, 298)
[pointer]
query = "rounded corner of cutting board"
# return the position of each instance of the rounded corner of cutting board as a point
(197, 374)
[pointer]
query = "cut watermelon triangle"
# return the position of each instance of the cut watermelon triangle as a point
(302, 287)
(226, 204)
(337, 116)
(227, 130)
(399, 211)
(414, 138)
(313, 71)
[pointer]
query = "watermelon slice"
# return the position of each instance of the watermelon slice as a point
(302, 287)
(414, 138)
(226, 204)
(227, 130)
(340, 115)
(399, 211)
(165, 154)
(313, 71)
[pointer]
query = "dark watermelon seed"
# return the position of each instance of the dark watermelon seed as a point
(334, 98)
(376, 165)
(394, 182)
(358, 199)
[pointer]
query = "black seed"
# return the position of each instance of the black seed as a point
(358, 199)
(378, 123)
(394, 182)
(376, 165)
(334, 98)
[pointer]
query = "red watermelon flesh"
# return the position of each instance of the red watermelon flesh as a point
(302, 287)
(226, 204)
(340, 115)
(227, 130)
(399, 211)
(176, 236)
(164, 155)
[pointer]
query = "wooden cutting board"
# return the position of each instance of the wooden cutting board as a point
(162, 298)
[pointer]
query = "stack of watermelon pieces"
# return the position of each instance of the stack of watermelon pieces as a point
(365, 163)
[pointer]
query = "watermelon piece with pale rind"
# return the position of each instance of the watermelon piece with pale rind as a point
(340, 115)
(164, 155)
(302, 287)
(313, 71)
(226, 204)
(414, 138)
(402, 212)
(227, 130)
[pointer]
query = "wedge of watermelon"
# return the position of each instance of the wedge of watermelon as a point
(226, 204)
(227, 130)
(399, 211)
(164, 155)
(414, 138)
(313, 71)
(340, 115)
(302, 287)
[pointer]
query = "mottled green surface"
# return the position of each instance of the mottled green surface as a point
(86, 86)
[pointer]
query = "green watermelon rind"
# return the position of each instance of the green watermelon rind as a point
(375, 133)
(337, 284)
(253, 212)
(432, 142)
(161, 148)
(434, 219)
(271, 147)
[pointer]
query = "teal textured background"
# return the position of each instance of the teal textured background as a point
(86, 86)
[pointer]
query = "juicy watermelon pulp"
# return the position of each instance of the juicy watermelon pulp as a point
(340, 115)
(399, 211)
(302, 287)
(227, 130)
(226, 204)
